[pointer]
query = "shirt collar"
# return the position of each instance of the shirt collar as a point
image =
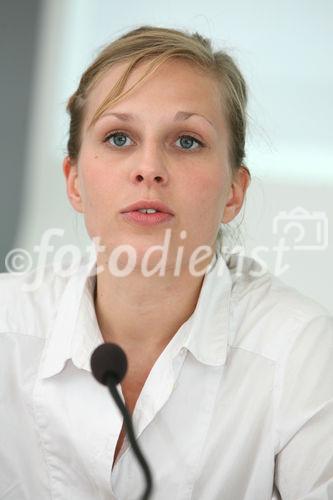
(75, 332)
(210, 331)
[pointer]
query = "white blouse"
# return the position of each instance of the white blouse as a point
(238, 406)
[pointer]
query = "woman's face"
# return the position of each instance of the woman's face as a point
(149, 159)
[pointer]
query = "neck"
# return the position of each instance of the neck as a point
(143, 313)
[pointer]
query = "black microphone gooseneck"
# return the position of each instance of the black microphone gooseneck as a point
(109, 365)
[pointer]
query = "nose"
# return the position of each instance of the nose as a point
(150, 169)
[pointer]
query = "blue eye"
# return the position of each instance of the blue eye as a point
(187, 140)
(118, 137)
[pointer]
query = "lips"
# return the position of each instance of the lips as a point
(156, 204)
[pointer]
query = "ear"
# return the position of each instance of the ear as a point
(240, 182)
(71, 174)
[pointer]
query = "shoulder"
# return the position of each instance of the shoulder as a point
(268, 315)
(28, 301)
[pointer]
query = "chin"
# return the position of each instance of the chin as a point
(129, 254)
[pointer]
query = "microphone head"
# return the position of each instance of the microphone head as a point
(108, 359)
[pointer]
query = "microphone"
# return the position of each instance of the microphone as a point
(109, 365)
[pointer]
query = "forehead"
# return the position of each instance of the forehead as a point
(176, 83)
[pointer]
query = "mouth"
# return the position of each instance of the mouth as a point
(147, 213)
(148, 207)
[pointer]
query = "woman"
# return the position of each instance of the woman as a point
(230, 375)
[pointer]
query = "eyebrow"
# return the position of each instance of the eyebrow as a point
(180, 115)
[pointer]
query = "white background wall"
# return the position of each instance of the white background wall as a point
(284, 50)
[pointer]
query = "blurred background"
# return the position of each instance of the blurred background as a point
(284, 50)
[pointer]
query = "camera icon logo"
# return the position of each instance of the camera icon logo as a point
(302, 229)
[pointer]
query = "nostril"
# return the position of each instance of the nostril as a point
(140, 178)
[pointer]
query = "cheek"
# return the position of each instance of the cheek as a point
(98, 198)
(98, 186)
(207, 190)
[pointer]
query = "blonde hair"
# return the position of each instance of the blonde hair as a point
(157, 45)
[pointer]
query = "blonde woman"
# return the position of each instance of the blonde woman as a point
(230, 374)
